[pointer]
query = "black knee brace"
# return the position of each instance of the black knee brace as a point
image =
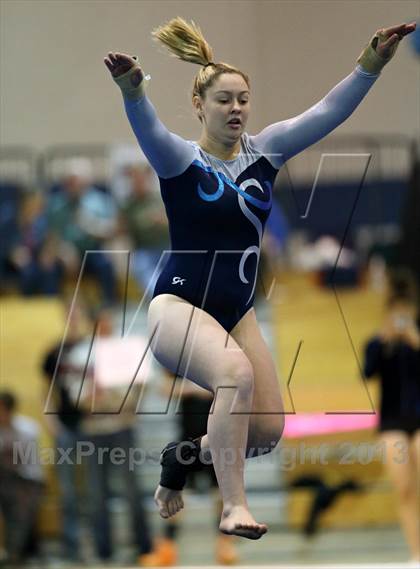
(177, 460)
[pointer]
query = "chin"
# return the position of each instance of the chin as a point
(236, 135)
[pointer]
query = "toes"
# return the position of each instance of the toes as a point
(168, 502)
(250, 531)
(180, 503)
(247, 527)
(173, 507)
(163, 511)
(162, 507)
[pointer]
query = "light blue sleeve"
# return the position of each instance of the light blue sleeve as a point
(169, 154)
(282, 140)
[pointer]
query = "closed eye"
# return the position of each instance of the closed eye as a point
(224, 101)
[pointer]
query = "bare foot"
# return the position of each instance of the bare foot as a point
(239, 521)
(168, 501)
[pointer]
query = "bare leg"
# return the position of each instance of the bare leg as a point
(191, 343)
(267, 419)
(402, 459)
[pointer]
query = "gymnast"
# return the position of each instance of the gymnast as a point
(217, 193)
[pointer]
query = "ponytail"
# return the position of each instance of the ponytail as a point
(186, 42)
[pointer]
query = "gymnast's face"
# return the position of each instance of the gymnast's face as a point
(224, 110)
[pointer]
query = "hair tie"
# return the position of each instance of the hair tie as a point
(209, 63)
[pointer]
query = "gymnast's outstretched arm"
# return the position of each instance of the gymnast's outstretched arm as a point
(168, 153)
(282, 140)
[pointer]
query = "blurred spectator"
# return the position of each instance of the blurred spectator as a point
(35, 252)
(410, 223)
(82, 218)
(21, 477)
(111, 431)
(143, 218)
(393, 355)
(63, 419)
(10, 199)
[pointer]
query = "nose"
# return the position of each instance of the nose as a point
(236, 107)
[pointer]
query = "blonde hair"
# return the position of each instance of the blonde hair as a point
(186, 42)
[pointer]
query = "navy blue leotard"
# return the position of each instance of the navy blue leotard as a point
(217, 209)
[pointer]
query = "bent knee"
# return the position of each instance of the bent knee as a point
(274, 432)
(267, 435)
(240, 375)
(272, 426)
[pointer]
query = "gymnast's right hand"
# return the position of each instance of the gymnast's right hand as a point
(127, 73)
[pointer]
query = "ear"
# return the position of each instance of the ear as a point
(198, 105)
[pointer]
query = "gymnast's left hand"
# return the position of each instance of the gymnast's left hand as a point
(383, 46)
(389, 37)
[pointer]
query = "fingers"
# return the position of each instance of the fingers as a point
(119, 63)
(114, 59)
(401, 29)
(122, 58)
(409, 28)
(388, 32)
(108, 63)
(390, 42)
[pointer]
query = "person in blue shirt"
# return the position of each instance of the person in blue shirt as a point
(217, 193)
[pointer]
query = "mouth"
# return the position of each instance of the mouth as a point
(235, 123)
